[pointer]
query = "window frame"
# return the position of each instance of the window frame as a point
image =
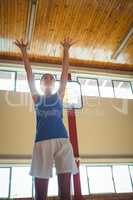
(58, 80)
(75, 81)
(77, 77)
(11, 177)
(112, 177)
(81, 77)
(9, 186)
(15, 75)
(130, 175)
(39, 73)
(130, 178)
(34, 73)
(88, 184)
(112, 89)
(126, 81)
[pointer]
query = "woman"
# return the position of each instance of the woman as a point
(51, 142)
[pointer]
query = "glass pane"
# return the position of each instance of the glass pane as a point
(132, 85)
(89, 87)
(84, 181)
(22, 83)
(53, 185)
(123, 89)
(39, 75)
(4, 182)
(106, 88)
(37, 82)
(7, 80)
(21, 183)
(72, 186)
(72, 98)
(100, 179)
(122, 179)
(131, 171)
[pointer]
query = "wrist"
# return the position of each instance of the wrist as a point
(66, 48)
(24, 52)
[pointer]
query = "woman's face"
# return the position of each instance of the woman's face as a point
(47, 83)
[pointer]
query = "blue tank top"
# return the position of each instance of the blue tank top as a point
(49, 114)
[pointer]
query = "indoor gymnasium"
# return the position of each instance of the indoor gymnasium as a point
(66, 99)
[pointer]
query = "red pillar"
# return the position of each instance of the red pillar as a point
(74, 141)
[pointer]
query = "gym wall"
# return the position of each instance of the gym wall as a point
(104, 125)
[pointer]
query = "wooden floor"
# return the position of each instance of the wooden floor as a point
(128, 196)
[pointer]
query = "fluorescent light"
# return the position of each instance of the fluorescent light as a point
(31, 20)
(123, 44)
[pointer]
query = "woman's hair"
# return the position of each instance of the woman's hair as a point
(47, 74)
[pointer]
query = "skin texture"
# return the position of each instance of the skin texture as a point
(47, 84)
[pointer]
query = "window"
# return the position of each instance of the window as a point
(131, 172)
(122, 89)
(84, 180)
(106, 89)
(72, 98)
(100, 179)
(94, 179)
(37, 82)
(22, 83)
(89, 87)
(132, 85)
(4, 182)
(53, 185)
(72, 186)
(7, 80)
(122, 179)
(21, 182)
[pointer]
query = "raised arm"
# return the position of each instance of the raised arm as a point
(30, 77)
(67, 43)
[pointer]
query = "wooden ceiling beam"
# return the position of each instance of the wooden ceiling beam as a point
(74, 62)
(122, 44)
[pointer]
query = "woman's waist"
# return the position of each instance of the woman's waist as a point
(49, 135)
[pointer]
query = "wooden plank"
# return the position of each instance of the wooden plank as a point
(98, 26)
(73, 62)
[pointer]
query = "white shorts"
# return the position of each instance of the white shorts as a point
(56, 151)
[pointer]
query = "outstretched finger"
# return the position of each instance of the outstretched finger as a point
(22, 41)
(26, 43)
(74, 42)
(16, 43)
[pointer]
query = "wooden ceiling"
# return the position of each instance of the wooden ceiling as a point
(98, 25)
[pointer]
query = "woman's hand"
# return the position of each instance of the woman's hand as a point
(30, 76)
(21, 45)
(67, 43)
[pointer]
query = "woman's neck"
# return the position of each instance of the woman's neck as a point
(48, 93)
